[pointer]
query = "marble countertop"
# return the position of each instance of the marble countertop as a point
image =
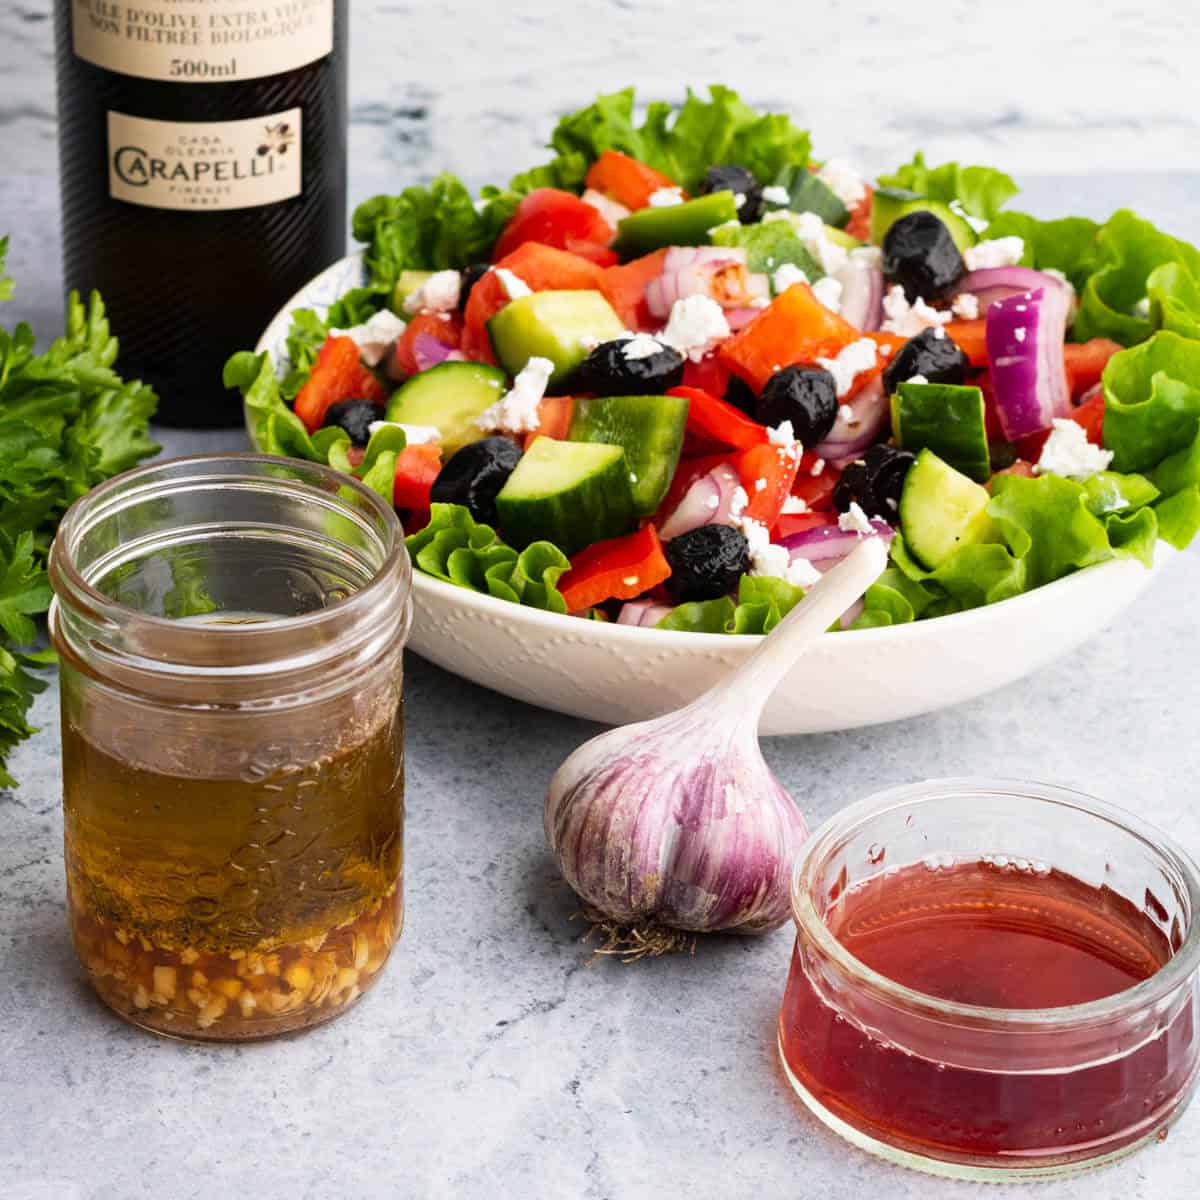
(492, 1060)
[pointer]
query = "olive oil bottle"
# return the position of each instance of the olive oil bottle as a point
(203, 170)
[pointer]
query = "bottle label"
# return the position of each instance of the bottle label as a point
(204, 165)
(202, 41)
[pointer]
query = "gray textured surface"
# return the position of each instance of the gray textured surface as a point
(490, 1061)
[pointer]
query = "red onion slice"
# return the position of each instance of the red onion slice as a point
(643, 613)
(853, 432)
(428, 351)
(998, 283)
(739, 318)
(718, 272)
(1025, 336)
(862, 295)
(709, 501)
(825, 545)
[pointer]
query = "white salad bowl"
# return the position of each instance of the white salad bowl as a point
(620, 673)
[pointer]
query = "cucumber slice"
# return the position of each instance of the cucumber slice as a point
(685, 224)
(649, 429)
(941, 510)
(810, 194)
(841, 238)
(406, 284)
(888, 205)
(768, 247)
(559, 326)
(451, 396)
(946, 419)
(568, 493)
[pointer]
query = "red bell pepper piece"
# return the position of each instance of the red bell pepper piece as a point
(714, 420)
(790, 523)
(767, 473)
(971, 338)
(816, 490)
(446, 329)
(554, 419)
(1090, 414)
(625, 289)
(1085, 362)
(795, 327)
(626, 180)
(859, 225)
(338, 374)
(710, 375)
(554, 218)
(616, 569)
(416, 469)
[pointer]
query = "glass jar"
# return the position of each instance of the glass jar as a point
(230, 630)
(1012, 1092)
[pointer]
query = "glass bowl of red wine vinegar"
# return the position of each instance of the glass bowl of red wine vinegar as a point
(993, 980)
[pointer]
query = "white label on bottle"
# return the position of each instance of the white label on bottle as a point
(202, 41)
(204, 165)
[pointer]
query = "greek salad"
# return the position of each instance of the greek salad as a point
(671, 376)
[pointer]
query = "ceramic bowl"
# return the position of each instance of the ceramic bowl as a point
(618, 673)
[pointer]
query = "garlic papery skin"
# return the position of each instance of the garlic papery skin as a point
(678, 822)
(689, 831)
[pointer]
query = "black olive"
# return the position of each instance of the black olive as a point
(930, 354)
(920, 255)
(610, 371)
(475, 474)
(741, 395)
(806, 396)
(706, 563)
(470, 277)
(741, 183)
(874, 482)
(355, 417)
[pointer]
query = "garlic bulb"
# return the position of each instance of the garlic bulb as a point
(679, 822)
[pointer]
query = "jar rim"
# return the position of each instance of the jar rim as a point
(74, 591)
(810, 923)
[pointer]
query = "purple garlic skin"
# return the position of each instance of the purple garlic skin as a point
(678, 822)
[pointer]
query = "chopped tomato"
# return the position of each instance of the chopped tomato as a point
(1090, 414)
(416, 469)
(617, 569)
(1020, 467)
(554, 218)
(790, 523)
(710, 375)
(971, 338)
(1085, 362)
(859, 225)
(602, 256)
(626, 180)
(714, 420)
(1030, 446)
(338, 374)
(795, 327)
(542, 269)
(768, 473)
(554, 418)
(625, 288)
(442, 327)
(816, 490)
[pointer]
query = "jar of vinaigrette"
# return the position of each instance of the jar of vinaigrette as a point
(992, 980)
(230, 630)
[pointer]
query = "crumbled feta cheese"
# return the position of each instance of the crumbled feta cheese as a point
(641, 345)
(850, 362)
(1142, 308)
(517, 410)
(737, 503)
(847, 414)
(999, 252)
(760, 485)
(765, 558)
(843, 181)
(867, 256)
(810, 229)
(829, 292)
(938, 332)
(608, 208)
(739, 198)
(666, 197)
(375, 337)
(1068, 452)
(696, 322)
(966, 306)
(794, 504)
(439, 293)
(1020, 334)
(782, 434)
(414, 435)
(514, 286)
(854, 520)
(787, 275)
(909, 319)
(801, 573)
(817, 468)
(916, 379)
(775, 194)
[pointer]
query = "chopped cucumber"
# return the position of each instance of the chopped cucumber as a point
(559, 326)
(685, 224)
(942, 510)
(946, 419)
(810, 194)
(840, 237)
(649, 428)
(406, 284)
(451, 396)
(568, 493)
(888, 205)
(768, 247)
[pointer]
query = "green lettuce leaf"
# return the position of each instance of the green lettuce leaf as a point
(763, 601)
(700, 616)
(768, 247)
(1067, 244)
(893, 599)
(1174, 294)
(6, 283)
(277, 430)
(979, 191)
